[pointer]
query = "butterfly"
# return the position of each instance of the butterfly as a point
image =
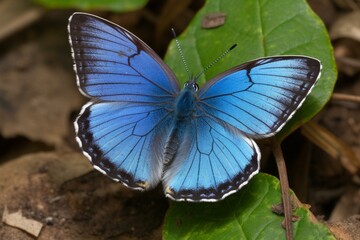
(140, 128)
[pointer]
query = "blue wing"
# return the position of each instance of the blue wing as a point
(125, 141)
(112, 64)
(215, 160)
(260, 96)
(132, 93)
(254, 99)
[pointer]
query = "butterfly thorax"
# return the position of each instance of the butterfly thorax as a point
(184, 104)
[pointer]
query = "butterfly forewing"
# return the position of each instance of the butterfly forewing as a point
(260, 96)
(112, 64)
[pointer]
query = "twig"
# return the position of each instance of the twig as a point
(24, 18)
(280, 162)
(345, 97)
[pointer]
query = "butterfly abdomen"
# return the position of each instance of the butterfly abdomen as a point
(173, 143)
(171, 146)
(184, 108)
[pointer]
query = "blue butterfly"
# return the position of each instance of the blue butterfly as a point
(140, 128)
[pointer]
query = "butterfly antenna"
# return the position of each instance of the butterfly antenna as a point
(215, 61)
(180, 51)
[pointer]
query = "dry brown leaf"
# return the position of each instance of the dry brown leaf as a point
(16, 15)
(213, 20)
(348, 204)
(332, 145)
(17, 220)
(347, 229)
(347, 26)
(38, 89)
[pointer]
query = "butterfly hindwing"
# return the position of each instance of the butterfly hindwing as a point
(214, 161)
(260, 96)
(112, 64)
(125, 141)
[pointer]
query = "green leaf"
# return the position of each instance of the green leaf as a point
(111, 5)
(244, 215)
(260, 28)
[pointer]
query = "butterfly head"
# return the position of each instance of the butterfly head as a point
(185, 102)
(191, 85)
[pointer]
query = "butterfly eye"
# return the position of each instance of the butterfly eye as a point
(196, 87)
(186, 84)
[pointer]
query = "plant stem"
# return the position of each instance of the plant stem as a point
(280, 162)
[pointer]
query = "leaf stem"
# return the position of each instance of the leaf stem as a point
(280, 162)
